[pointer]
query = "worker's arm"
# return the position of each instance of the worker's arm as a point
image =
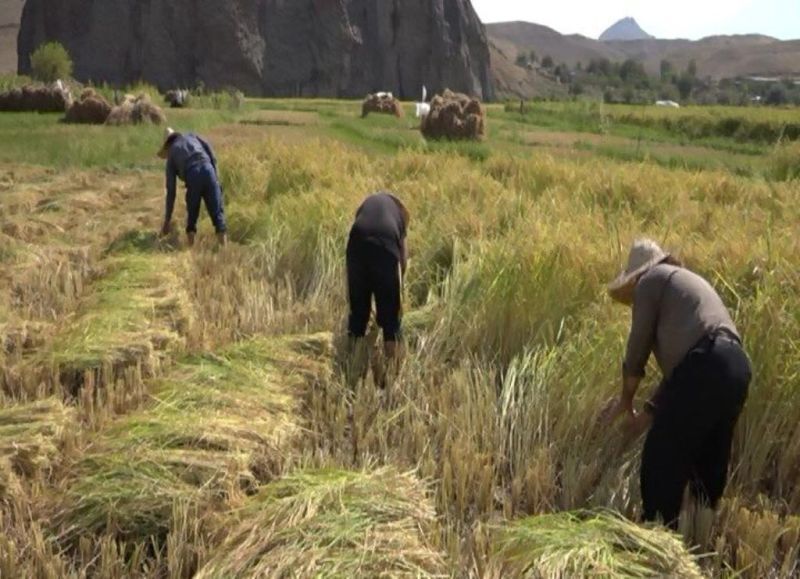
(640, 345)
(170, 202)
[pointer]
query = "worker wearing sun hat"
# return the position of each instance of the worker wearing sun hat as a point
(191, 158)
(679, 317)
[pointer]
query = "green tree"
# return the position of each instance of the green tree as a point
(547, 61)
(691, 70)
(776, 95)
(666, 70)
(522, 59)
(632, 71)
(533, 57)
(685, 85)
(50, 62)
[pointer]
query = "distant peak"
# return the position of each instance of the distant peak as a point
(625, 29)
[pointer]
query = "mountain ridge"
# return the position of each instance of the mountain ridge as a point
(717, 56)
(625, 29)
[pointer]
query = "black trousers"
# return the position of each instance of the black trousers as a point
(373, 271)
(690, 440)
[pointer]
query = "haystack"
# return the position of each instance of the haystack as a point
(454, 116)
(33, 98)
(382, 103)
(332, 523)
(220, 426)
(91, 109)
(136, 111)
(177, 99)
(589, 545)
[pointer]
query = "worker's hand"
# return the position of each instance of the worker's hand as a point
(166, 228)
(638, 423)
(615, 409)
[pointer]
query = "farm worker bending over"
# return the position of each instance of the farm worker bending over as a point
(706, 374)
(192, 159)
(376, 262)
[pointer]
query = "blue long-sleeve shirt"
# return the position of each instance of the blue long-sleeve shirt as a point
(184, 153)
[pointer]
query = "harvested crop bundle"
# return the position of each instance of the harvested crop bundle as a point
(454, 116)
(136, 111)
(137, 316)
(329, 523)
(177, 99)
(32, 436)
(382, 103)
(590, 545)
(32, 98)
(221, 426)
(91, 109)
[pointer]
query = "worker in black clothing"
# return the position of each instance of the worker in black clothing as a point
(377, 258)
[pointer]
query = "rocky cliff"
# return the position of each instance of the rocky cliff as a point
(335, 48)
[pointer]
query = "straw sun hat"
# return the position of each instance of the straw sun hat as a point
(644, 254)
(162, 152)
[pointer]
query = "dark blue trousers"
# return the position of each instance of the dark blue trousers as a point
(202, 185)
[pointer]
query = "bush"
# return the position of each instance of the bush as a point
(51, 62)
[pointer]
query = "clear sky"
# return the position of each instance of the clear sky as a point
(661, 18)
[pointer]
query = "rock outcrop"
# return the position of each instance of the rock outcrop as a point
(335, 48)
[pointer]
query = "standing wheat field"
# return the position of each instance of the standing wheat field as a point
(167, 412)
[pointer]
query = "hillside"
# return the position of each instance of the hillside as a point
(716, 56)
(512, 81)
(10, 11)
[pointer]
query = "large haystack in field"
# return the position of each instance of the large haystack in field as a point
(454, 116)
(589, 545)
(136, 111)
(382, 103)
(36, 98)
(90, 109)
(221, 425)
(332, 523)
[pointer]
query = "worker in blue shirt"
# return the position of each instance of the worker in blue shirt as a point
(192, 159)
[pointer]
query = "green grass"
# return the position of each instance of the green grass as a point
(43, 140)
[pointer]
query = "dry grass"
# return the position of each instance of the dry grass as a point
(567, 545)
(135, 318)
(33, 437)
(219, 426)
(512, 350)
(331, 523)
